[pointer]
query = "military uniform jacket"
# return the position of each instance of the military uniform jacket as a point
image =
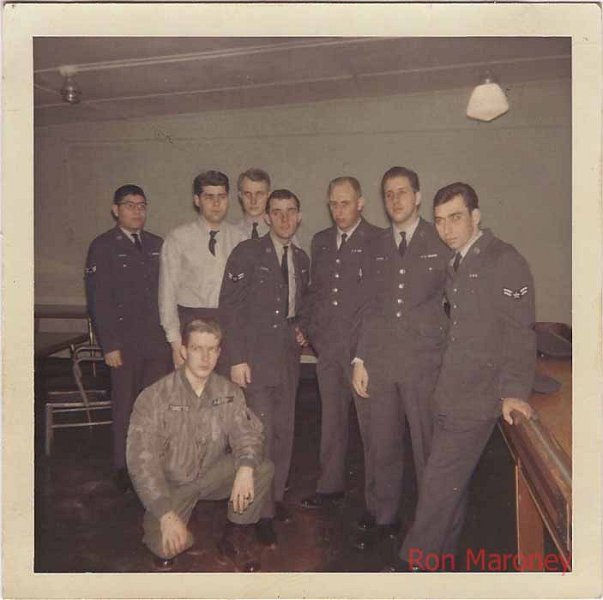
(175, 436)
(333, 295)
(491, 346)
(402, 320)
(122, 287)
(253, 297)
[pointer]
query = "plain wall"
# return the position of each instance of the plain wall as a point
(520, 165)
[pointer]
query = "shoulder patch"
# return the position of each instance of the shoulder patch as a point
(90, 270)
(516, 294)
(235, 278)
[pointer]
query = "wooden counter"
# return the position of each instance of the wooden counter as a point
(542, 450)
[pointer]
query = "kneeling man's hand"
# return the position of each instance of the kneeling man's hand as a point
(242, 489)
(173, 534)
(521, 406)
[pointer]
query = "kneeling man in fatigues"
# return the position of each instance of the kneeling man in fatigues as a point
(180, 432)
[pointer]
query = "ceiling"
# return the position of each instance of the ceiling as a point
(125, 78)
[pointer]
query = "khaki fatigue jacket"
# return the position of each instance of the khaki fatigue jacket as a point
(176, 436)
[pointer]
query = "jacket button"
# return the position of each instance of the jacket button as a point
(335, 303)
(276, 312)
(335, 290)
(398, 314)
(399, 300)
(402, 271)
(275, 326)
(336, 275)
(337, 260)
(401, 286)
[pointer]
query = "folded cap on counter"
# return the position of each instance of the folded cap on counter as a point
(543, 384)
(552, 344)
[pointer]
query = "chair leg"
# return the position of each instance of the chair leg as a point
(49, 430)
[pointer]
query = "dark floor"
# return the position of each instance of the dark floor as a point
(83, 524)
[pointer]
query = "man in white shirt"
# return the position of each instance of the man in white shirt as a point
(193, 259)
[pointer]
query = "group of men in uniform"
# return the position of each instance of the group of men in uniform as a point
(420, 323)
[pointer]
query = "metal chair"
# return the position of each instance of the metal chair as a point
(90, 395)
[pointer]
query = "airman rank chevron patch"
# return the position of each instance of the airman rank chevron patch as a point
(517, 294)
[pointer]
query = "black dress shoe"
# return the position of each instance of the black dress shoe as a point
(401, 566)
(371, 537)
(320, 499)
(122, 480)
(237, 544)
(281, 513)
(163, 564)
(366, 522)
(265, 534)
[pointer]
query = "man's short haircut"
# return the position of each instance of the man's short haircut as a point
(254, 175)
(282, 195)
(201, 326)
(400, 172)
(450, 191)
(209, 178)
(345, 179)
(127, 190)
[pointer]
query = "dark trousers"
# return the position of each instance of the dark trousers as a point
(216, 484)
(136, 373)
(382, 424)
(335, 397)
(275, 406)
(458, 443)
(187, 314)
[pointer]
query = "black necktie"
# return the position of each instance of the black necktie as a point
(212, 241)
(137, 242)
(285, 272)
(254, 232)
(344, 237)
(402, 245)
(457, 261)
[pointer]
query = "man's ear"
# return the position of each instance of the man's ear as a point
(360, 203)
(267, 220)
(476, 217)
(197, 201)
(183, 352)
(417, 198)
(114, 209)
(299, 217)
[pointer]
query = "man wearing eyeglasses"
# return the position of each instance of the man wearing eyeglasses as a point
(193, 259)
(122, 277)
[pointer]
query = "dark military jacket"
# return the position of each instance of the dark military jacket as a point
(491, 347)
(253, 297)
(175, 436)
(333, 295)
(402, 320)
(122, 286)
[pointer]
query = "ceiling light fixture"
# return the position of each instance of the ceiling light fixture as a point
(488, 100)
(69, 92)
